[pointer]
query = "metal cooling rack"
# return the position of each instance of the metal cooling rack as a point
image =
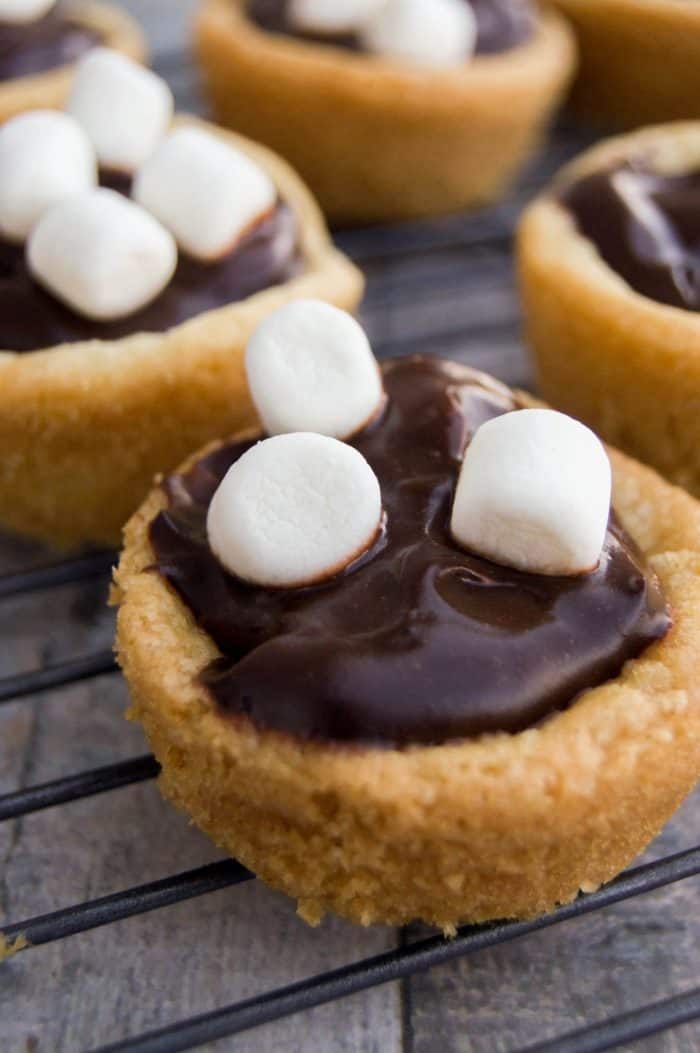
(402, 265)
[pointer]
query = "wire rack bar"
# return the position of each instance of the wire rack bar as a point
(75, 787)
(395, 348)
(372, 244)
(626, 1028)
(389, 291)
(120, 905)
(69, 572)
(59, 675)
(396, 965)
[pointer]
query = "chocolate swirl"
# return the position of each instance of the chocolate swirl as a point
(420, 642)
(645, 226)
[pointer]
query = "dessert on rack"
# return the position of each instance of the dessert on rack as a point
(396, 651)
(639, 60)
(41, 41)
(389, 109)
(610, 274)
(137, 254)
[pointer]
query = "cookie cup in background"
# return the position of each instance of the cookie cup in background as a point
(85, 427)
(626, 365)
(114, 28)
(378, 140)
(503, 826)
(639, 60)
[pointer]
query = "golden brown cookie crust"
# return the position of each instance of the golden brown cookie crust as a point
(85, 427)
(639, 60)
(377, 140)
(49, 90)
(500, 826)
(625, 364)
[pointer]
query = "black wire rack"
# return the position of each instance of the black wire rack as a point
(472, 238)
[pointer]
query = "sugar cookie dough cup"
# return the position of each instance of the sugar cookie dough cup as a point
(85, 427)
(49, 90)
(624, 364)
(377, 140)
(505, 825)
(639, 60)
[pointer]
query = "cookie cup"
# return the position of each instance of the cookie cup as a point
(49, 90)
(623, 363)
(374, 139)
(85, 427)
(503, 826)
(639, 60)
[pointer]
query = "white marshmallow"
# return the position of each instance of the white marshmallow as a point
(310, 368)
(101, 254)
(331, 16)
(432, 33)
(124, 108)
(44, 157)
(534, 493)
(294, 510)
(21, 11)
(208, 193)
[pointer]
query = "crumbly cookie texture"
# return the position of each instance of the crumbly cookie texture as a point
(639, 60)
(500, 826)
(627, 366)
(459, 134)
(50, 90)
(85, 427)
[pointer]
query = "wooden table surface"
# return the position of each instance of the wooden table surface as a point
(66, 997)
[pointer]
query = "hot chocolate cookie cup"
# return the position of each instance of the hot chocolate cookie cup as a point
(639, 60)
(112, 26)
(85, 427)
(354, 124)
(625, 364)
(503, 825)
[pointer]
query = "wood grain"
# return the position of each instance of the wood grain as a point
(81, 992)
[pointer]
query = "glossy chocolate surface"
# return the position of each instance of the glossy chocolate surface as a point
(646, 227)
(31, 318)
(502, 24)
(419, 642)
(52, 41)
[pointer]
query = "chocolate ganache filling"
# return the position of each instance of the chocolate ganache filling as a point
(36, 47)
(501, 24)
(646, 226)
(418, 641)
(31, 318)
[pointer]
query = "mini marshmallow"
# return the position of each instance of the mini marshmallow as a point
(294, 510)
(310, 368)
(101, 254)
(329, 17)
(534, 494)
(208, 193)
(124, 108)
(44, 157)
(21, 11)
(432, 33)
